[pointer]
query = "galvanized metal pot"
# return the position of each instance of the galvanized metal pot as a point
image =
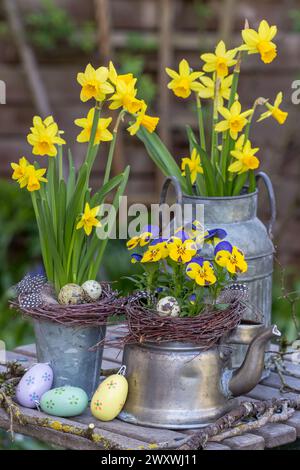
(66, 349)
(238, 216)
(180, 385)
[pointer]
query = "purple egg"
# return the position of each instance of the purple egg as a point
(37, 380)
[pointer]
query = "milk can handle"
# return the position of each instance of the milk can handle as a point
(272, 200)
(164, 190)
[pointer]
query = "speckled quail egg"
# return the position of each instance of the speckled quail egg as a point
(92, 290)
(71, 294)
(168, 307)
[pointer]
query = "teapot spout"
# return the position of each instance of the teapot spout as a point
(248, 375)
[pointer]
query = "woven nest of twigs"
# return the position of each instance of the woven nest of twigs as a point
(206, 329)
(87, 314)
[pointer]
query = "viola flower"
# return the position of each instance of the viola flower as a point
(215, 235)
(275, 111)
(135, 258)
(140, 240)
(194, 164)
(260, 41)
(220, 61)
(44, 136)
(162, 244)
(19, 169)
(231, 258)
(234, 119)
(201, 272)
(180, 251)
(184, 81)
(208, 90)
(94, 83)
(125, 97)
(115, 78)
(102, 133)
(142, 119)
(88, 219)
(245, 157)
(153, 254)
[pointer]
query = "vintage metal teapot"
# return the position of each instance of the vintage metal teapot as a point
(180, 385)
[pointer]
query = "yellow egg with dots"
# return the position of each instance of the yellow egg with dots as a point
(110, 397)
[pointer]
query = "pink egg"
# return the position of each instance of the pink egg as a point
(34, 383)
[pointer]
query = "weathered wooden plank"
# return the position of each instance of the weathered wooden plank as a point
(26, 361)
(245, 442)
(294, 422)
(113, 355)
(274, 381)
(151, 435)
(26, 350)
(216, 446)
(276, 434)
(67, 440)
(261, 392)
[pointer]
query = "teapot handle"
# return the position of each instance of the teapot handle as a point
(270, 190)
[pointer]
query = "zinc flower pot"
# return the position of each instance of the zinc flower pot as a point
(67, 350)
(237, 215)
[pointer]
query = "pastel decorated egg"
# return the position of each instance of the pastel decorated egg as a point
(64, 401)
(71, 294)
(168, 307)
(109, 398)
(34, 383)
(92, 290)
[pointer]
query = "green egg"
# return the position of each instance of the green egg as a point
(64, 401)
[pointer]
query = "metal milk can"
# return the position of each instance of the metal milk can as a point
(237, 215)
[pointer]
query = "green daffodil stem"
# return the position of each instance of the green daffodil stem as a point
(200, 123)
(60, 163)
(112, 147)
(46, 257)
(71, 247)
(92, 147)
(214, 137)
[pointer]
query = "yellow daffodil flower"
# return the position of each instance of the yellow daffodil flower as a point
(44, 136)
(34, 177)
(203, 274)
(194, 164)
(125, 97)
(208, 90)
(140, 240)
(260, 41)
(245, 155)
(184, 81)
(180, 251)
(94, 83)
(102, 133)
(115, 78)
(19, 169)
(233, 260)
(234, 119)
(275, 111)
(88, 219)
(220, 61)
(143, 120)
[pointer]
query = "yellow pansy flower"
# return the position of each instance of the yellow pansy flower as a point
(88, 219)
(19, 169)
(275, 111)
(44, 136)
(232, 259)
(153, 254)
(245, 155)
(125, 97)
(143, 120)
(102, 133)
(115, 78)
(194, 164)
(220, 61)
(140, 240)
(234, 119)
(208, 90)
(202, 272)
(94, 83)
(260, 41)
(184, 81)
(180, 251)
